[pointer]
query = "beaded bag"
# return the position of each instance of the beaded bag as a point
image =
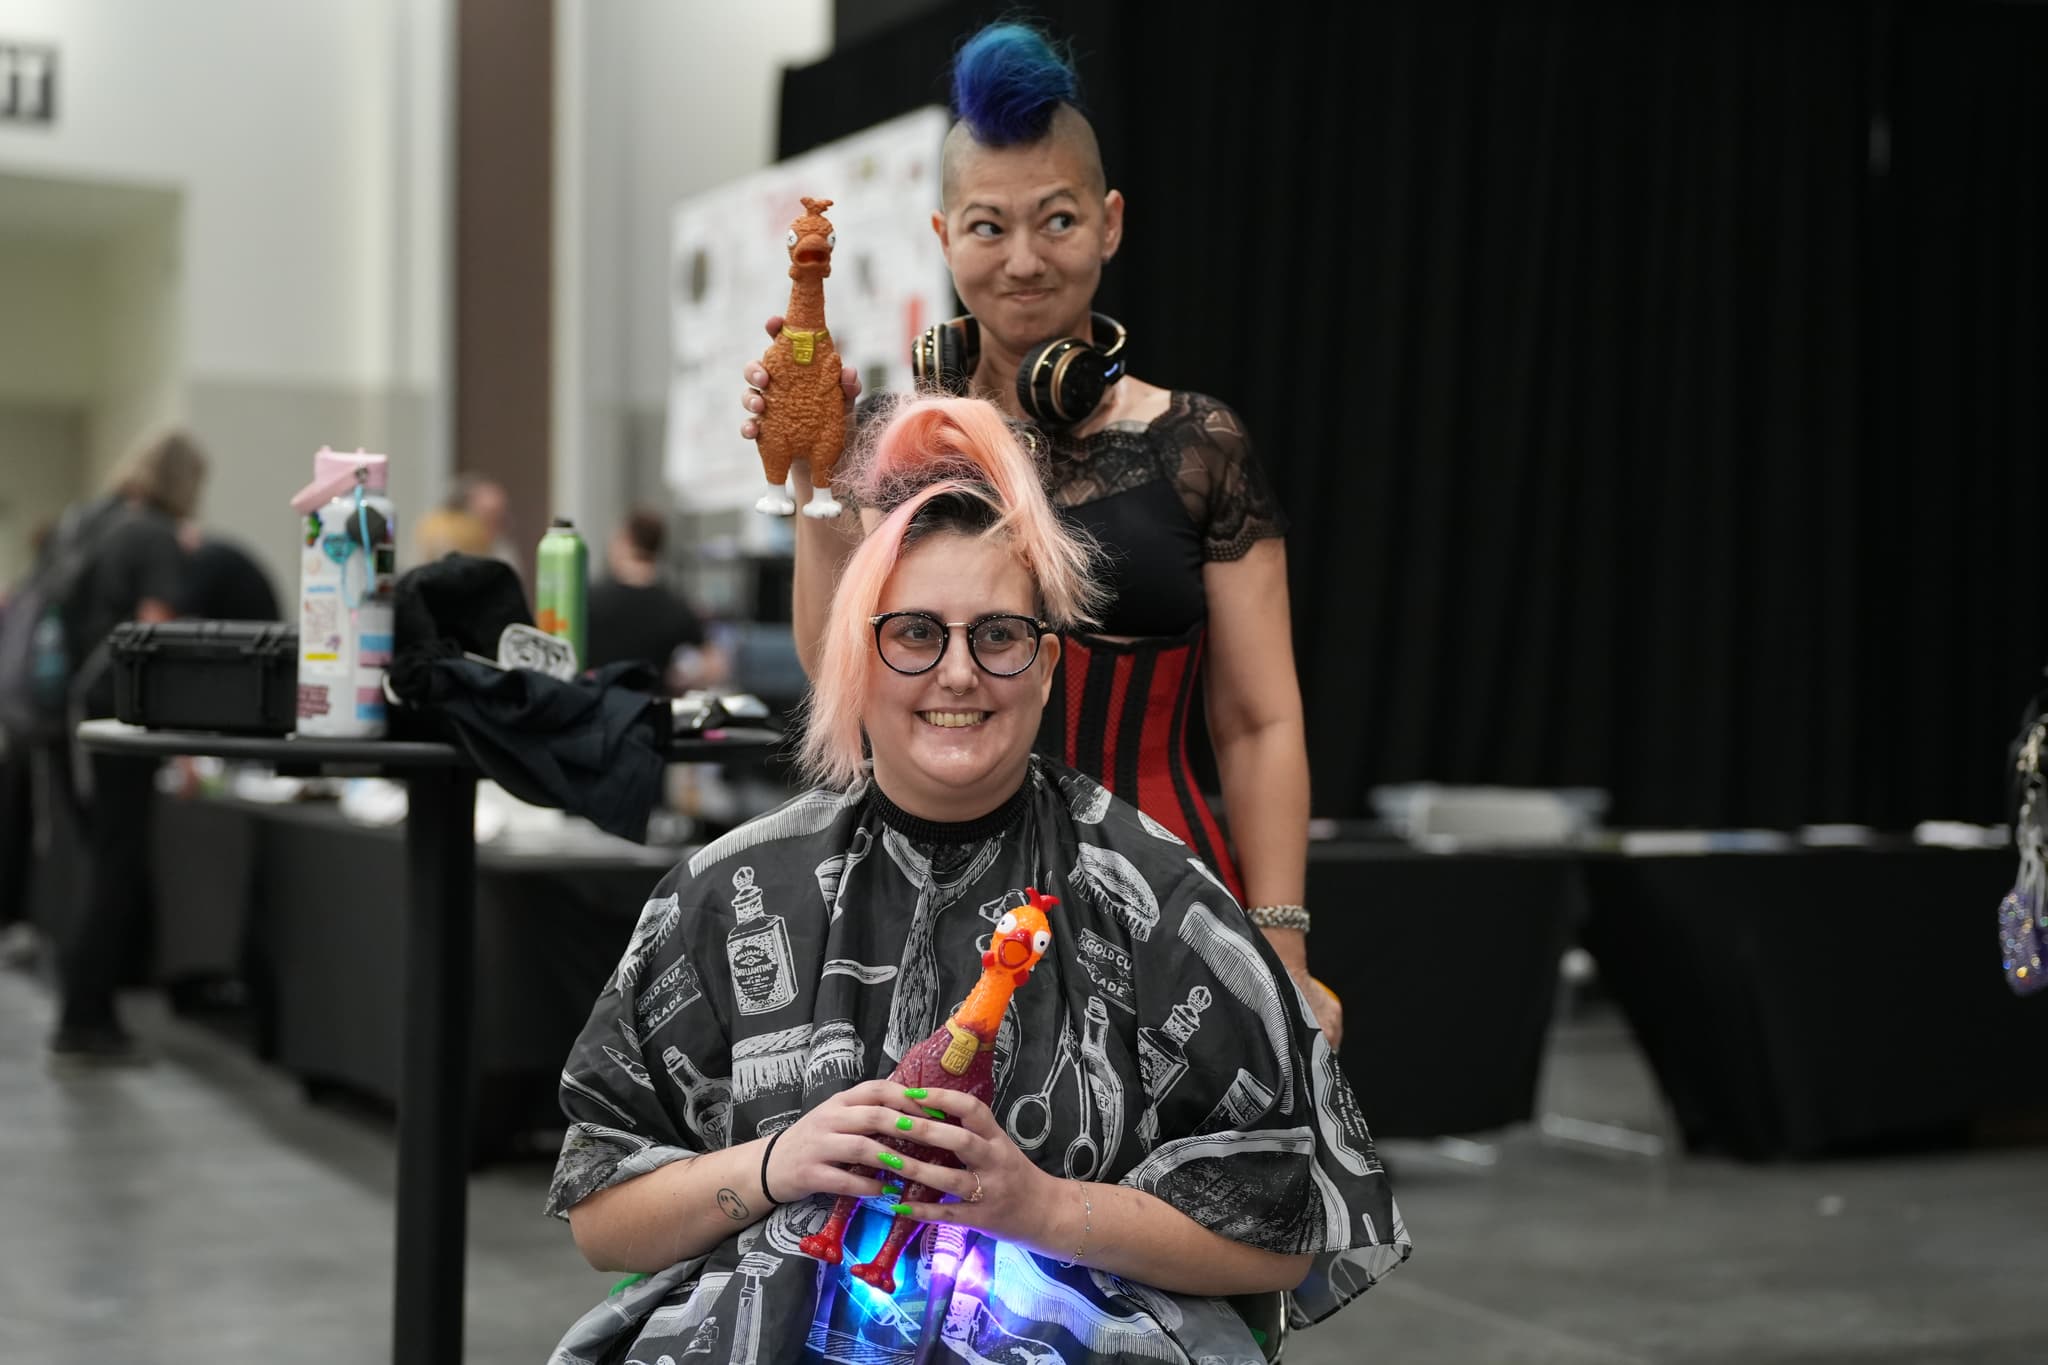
(2023, 914)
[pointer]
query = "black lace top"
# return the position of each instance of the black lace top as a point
(1163, 498)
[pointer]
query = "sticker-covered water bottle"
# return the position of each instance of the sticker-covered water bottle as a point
(347, 564)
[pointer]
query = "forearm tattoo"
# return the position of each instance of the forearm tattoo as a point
(733, 1206)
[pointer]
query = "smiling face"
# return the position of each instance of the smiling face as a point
(954, 742)
(1026, 231)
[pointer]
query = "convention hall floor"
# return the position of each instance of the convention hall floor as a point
(202, 1211)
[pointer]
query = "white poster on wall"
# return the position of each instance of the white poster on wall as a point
(729, 272)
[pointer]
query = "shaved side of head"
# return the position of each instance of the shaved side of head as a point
(1070, 130)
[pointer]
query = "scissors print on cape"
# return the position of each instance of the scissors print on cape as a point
(1098, 1101)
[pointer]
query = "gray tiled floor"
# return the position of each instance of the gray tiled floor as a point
(200, 1211)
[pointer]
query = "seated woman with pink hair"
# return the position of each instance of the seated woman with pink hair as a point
(1162, 1125)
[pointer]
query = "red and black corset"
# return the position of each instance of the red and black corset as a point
(1119, 713)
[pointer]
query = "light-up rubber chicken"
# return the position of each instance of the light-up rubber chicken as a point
(960, 1055)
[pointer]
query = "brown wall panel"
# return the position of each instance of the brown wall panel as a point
(504, 190)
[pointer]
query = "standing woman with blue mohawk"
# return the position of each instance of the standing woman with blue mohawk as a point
(1164, 479)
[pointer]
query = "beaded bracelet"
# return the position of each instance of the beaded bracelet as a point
(1087, 1227)
(1280, 916)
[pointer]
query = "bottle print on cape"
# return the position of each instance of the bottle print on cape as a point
(1163, 1059)
(757, 950)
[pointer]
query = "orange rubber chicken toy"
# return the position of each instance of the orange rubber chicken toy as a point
(806, 414)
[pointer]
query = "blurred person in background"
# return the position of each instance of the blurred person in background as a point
(635, 615)
(449, 531)
(135, 571)
(222, 581)
(484, 498)
(20, 943)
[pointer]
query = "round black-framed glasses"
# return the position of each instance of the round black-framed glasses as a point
(1002, 644)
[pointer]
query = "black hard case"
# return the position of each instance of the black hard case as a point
(241, 677)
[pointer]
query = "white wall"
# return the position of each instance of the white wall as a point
(308, 298)
(49, 333)
(655, 100)
(42, 455)
(275, 120)
(89, 279)
(139, 309)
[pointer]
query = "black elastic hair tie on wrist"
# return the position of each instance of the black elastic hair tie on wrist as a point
(766, 1152)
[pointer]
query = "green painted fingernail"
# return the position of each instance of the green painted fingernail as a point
(905, 1122)
(935, 1113)
(890, 1159)
(899, 1208)
(893, 1191)
(916, 1094)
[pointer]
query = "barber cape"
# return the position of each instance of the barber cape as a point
(1159, 1044)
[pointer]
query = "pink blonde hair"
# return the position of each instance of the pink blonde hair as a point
(936, 465)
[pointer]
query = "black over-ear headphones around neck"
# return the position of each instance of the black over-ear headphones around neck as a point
(1059, 383)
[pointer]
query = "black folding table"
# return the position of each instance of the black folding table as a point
(440, 861)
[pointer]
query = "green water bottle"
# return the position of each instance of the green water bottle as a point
(562, 587)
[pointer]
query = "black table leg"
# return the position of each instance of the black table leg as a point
(434, 1081)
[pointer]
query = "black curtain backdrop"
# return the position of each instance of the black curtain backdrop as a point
(1655, 388)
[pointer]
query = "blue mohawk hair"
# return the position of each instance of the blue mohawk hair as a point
(1007, 81)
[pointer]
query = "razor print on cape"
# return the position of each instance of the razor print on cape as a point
(635, 1071)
